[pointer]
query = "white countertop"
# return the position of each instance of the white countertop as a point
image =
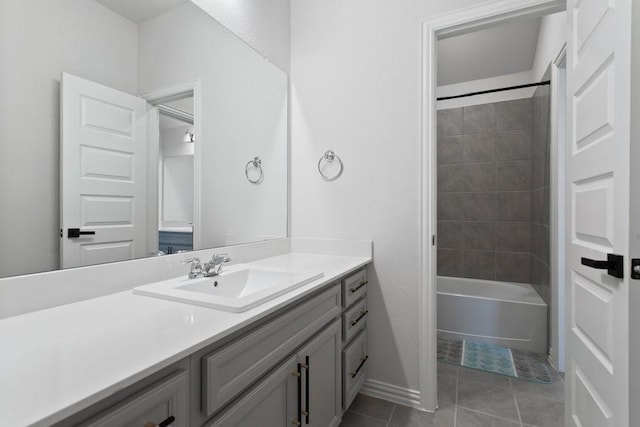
(58, 361)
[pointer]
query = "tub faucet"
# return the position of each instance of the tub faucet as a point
(214, 267)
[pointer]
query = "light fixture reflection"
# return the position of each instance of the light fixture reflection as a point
(188, 137)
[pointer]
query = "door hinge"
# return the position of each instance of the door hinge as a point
(433, 240)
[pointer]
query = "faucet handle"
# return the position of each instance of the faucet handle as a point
(195, 260)
(218, 258)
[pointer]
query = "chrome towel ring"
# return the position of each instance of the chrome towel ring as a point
(256, 163)
(329, 157)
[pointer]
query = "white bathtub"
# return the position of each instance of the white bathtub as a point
(508, 314)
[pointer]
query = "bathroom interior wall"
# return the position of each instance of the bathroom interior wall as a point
(356, 89)
(82, 38)
(551, 38)
(177, 177)
(262, 24)
(493, 191)
(540, 194)
(484, 191)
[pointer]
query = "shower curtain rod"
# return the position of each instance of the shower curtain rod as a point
(543, 83)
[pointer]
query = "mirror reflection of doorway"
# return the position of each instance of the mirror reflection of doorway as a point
(176, 176)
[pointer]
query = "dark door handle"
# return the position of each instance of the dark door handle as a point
(614, 265)
(167, 422)
(74, 233)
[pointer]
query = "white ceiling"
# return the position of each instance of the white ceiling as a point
(492, 52)
(140, 10)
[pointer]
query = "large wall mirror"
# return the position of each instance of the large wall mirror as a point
(133, 128)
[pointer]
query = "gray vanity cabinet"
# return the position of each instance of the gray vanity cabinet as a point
(354, 333)
(302, 366)
(304, 390)
(272, 403)
(166, 400)
(321, 383)
(229, 370)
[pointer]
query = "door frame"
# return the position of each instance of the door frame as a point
(178, 91)
(451, 24)
(558, 141)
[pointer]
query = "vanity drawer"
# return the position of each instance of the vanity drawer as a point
(354, 361)
(166, 398)
(230, 370)
(354, 320)
(354, 287)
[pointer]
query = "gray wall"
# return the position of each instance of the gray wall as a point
(486, 217)
(540, 191)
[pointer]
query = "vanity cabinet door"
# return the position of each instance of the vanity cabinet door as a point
(272, 403)
(321, 397)
(164, 403)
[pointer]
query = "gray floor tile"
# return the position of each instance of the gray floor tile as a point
(541, 412)
(466, 375)
(466, 418)
(447, 386)
(553, 391)
(447, 369)
(403, 416)
(485, 392)
(352, 419)
(372, 407)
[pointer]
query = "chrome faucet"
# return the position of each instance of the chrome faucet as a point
(196, 266)
(214, 267)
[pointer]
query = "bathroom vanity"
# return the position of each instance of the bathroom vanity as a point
(128, 359)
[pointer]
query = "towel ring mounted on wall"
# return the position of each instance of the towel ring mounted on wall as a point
(329, 157)
(256, 163)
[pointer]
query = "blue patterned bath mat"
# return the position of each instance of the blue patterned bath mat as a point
(495, 359)
(488, 357)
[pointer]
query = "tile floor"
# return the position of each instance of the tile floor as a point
(469, 398)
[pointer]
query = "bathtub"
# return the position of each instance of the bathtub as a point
(508, 314)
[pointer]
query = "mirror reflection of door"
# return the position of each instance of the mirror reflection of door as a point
(176, 184)
(109, 211)
(103, 182)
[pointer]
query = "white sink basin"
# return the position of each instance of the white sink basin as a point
(238, 288)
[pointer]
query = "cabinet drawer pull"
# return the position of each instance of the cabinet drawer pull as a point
(306, 413)
(353, 290)
(355, 322)
(299, 395)
(354, 373)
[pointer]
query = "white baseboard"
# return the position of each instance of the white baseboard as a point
(401, 395)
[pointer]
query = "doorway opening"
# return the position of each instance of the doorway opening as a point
(175, 134)
(487, 178)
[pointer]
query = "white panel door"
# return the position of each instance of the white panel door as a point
(103, 173)
(598, 107)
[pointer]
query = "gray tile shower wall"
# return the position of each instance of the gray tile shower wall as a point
(491, 191)
(540, 192)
